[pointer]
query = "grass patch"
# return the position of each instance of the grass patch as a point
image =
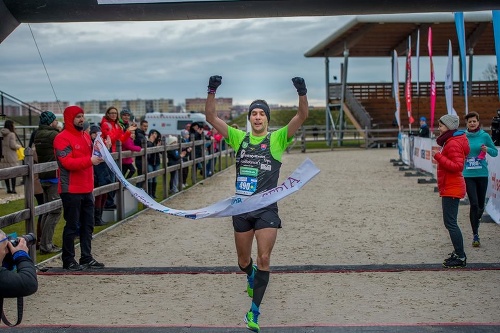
(20, 227)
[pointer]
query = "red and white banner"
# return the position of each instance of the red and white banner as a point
(395, 88)
(408, 84)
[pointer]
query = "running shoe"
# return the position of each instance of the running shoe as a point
(452, 257)
(250, 279)
(252, 320)
(455, 262)
(475, 241)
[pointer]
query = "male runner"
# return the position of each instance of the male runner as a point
(258, 162)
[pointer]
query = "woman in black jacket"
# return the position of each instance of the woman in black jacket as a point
(154, 160)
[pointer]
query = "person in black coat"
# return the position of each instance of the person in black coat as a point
(154, 160)
(140, 137)
(19, 282)
(423, 132)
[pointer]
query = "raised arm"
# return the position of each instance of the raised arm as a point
(213, 83)
(303, 111)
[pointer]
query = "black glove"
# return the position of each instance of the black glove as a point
(300, 85)
(213, 83)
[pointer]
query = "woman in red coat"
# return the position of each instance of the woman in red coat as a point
(112, 129)
(451, 184)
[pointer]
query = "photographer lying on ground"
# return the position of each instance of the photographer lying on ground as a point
(22, 281)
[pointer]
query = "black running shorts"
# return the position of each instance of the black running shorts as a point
(259, 219)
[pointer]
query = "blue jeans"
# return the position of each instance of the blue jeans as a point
(152, 168)
(78, 210)
(450, 213)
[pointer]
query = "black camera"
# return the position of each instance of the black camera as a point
(8, 261)
(30, 239)
(495, 129)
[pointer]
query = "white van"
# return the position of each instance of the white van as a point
(172, 123)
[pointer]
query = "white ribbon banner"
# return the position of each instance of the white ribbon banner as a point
(493, 205)
(234, 205)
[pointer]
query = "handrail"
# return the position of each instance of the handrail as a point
(18, 101)
(362, 116)
(357, 109)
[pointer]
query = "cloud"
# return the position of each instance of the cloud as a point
(174, 59)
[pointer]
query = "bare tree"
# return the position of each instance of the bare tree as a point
(491, 73)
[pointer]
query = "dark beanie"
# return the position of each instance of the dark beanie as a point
(260, 105)
(94, 129)
(46, 118)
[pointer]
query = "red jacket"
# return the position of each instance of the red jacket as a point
(114, 130)
(73, 150)
(450, 164)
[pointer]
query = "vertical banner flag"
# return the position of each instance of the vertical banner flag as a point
(433, 81)
(460, 26)
(395, 88)
(496, 31)
(448, 83)
(418, 62)
(408, 84)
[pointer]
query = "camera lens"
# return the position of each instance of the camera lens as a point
(30, 239)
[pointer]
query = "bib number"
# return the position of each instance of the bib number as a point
(473, 163)
(246, 185)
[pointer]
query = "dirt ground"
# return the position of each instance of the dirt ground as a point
(359, 210)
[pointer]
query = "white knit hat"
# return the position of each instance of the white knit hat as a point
(171, 140)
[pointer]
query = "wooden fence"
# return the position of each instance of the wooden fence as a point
(29, 169)
(305, 135)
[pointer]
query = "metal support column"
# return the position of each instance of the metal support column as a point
(469, 81)
(328, 132)
(342, 96)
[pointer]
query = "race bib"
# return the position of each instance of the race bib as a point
(472, 163)
(246, 185)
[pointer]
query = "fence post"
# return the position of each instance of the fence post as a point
(366, 137)
(29, 195)
(204, 155)
(164, 159)
(180, 183)
(144, 166)
(193, 158)
(119, 200)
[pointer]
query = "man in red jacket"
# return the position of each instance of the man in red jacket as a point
(451, 184)
(73, 150)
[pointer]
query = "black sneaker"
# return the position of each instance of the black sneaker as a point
(93, 264)
(73, 266)
(452, 255)
(455, 262)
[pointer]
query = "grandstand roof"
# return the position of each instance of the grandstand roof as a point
(379, 35)
(15, 12)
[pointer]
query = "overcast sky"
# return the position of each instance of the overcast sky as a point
(174, 59)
